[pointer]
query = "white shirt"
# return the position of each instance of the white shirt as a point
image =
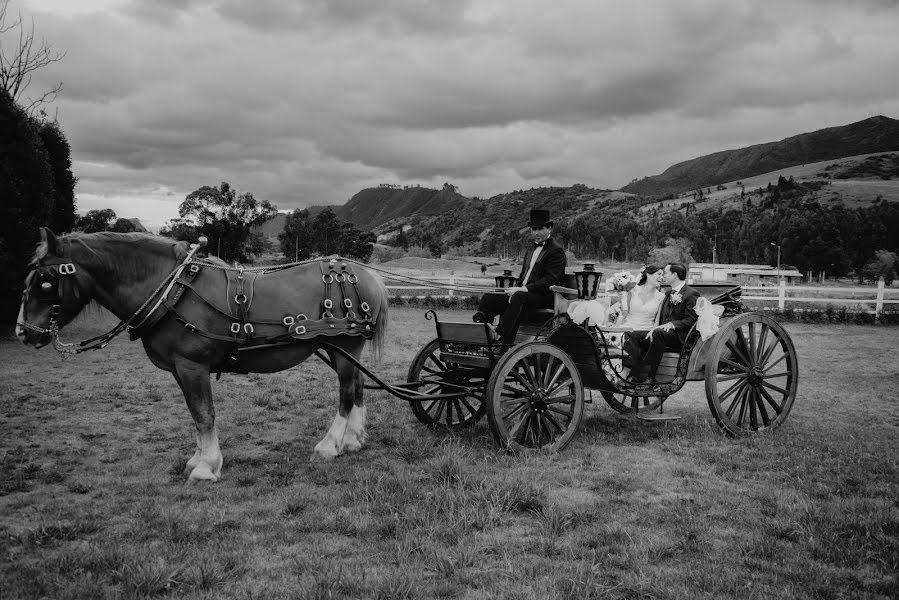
(534, 256)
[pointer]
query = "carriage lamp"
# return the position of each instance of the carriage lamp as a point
(587, 281)
(506, 280)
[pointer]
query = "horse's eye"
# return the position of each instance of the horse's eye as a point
(46, 287)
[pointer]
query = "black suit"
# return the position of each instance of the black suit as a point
(549, 270)
(681, 314)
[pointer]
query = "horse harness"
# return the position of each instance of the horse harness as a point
(298, 327)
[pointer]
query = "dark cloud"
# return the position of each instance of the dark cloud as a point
(307, 102)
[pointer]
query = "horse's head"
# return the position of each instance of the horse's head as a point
(55, 292)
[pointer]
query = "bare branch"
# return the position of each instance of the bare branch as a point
(19, 62)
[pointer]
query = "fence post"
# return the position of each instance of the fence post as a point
(782, 295)
(878, 306)
(452, 283)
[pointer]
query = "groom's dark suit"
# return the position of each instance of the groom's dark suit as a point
(548, 270)
(681, 314)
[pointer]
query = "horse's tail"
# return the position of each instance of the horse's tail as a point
(377, 341)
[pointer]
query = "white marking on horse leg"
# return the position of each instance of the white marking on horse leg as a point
(208, 458)
(20, 331)
(354, 438)
(332, 444)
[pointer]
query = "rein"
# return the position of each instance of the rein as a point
(101, 341)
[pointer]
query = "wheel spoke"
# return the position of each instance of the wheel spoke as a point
(551, 419)
(782, 358)
(752, 341)
(527, 384)
(516, 391)
(739, 388)
(775, 388)
(551, 384)
(740, 384)
(547, 372)
(563, 384)
(775, 343)
(774, 404)
(763, 339)
(558, 411)
(760, 405)
(744, 346)
(737, 354)
(776, 375)
(435, 414)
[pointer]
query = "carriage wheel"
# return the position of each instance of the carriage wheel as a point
(445, 414)
(751, 375)
(535, 397)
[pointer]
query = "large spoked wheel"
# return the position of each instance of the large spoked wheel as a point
(535, 398)
(623, 403)
(447, 413)
(751, 375)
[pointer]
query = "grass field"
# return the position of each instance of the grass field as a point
(94, 503)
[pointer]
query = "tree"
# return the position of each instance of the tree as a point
(20, 59)
(226, 218)
(180, 229)
(885, 264)
(95, 220)
(295, 239)
(676, 250)
(60, 156)
(26, 198)
(123, 226)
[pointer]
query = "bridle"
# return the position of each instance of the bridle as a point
(51, 274)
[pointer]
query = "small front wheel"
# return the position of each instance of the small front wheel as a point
(535, 398)
(445, 414)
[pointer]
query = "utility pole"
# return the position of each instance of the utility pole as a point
(778, 260)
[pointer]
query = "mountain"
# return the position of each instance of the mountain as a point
(375, 206)
(876, 134)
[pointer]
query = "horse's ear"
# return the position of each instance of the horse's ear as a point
(49, 238)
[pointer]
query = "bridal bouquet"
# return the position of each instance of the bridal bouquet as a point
(622, 281)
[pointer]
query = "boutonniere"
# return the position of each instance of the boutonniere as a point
(675, 298)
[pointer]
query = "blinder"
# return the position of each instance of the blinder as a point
(48, 291)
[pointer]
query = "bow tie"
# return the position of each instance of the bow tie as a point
(539, 244)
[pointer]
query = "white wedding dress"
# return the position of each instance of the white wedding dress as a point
(642, 314)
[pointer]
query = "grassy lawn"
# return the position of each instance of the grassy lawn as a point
(94, 503)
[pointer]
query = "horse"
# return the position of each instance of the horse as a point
(198, 316)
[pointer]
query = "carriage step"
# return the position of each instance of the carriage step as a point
(658, 417)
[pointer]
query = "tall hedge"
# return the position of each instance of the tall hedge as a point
(57, 146)
(27, 199)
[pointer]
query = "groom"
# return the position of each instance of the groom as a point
(677, 317)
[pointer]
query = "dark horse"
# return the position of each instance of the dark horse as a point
(198, 316)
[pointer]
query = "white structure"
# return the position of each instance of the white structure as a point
(742, 274)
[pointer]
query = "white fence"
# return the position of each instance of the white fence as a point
(859, 299)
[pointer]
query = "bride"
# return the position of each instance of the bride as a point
(644, 300)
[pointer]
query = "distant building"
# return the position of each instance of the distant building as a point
(742, 274)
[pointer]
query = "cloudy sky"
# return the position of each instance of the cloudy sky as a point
(307, 102)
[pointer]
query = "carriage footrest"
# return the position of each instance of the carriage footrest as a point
(657, 417)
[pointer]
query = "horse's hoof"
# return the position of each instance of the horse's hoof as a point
(202, 473)
(352, 445)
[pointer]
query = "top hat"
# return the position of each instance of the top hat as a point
(539, 218)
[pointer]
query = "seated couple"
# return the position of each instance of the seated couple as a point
(543, 266)
(659, 320)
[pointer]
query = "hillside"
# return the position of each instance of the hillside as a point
(373, 207)
(876, 134)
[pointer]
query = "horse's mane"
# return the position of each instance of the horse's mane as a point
(109, 251)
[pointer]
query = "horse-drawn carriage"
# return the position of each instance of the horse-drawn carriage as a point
(201, 316)
(533, 392)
